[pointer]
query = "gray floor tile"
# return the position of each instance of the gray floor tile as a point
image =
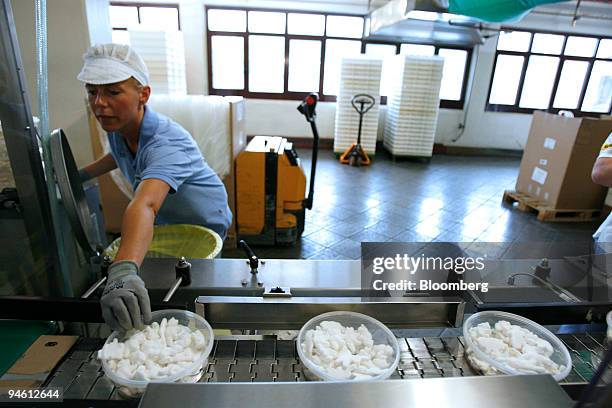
(379, 232)
(325, 238)
(348, 248)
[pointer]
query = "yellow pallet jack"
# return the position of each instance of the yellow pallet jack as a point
(356, 155)
(271, 199)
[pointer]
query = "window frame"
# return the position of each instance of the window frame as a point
(515, 108)
(292, 95)
(147, 5)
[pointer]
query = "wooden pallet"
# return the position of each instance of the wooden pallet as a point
(545, 213)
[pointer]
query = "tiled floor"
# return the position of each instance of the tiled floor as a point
(450, 199)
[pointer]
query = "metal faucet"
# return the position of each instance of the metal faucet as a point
(559, 291)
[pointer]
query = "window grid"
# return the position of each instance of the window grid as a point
(289, 95)
(139, 5)
(562, 58)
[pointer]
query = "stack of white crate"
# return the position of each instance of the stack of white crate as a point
(412, 109)
(164, 54)
(359, 75)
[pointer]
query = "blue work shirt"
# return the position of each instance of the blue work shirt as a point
(167, 152)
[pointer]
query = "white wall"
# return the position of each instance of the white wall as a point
(68, 38)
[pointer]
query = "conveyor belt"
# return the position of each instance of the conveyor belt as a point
(236, 359)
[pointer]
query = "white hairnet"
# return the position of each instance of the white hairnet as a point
(111, 63)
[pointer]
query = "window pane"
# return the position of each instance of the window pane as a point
(581, 46)
(570, 84)
(344, 26)
(266, 22)
(386, 52)
(266, 63)
(304, 65)
(335, 50)
(160, 18)
(605, 49)
(514, 41)
(123, 17)
(452, 76)
(547, 43)
(417, 49)
(306, 24)
(506, 79)
(227, 53)
(539, 81)
(226, 20)
(599, 91)
(121, 37)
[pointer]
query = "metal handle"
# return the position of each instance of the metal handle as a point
(173, 289)
(183, 277)
(253, 260)
(93, 288)
(363, 99)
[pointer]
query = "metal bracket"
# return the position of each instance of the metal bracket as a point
(277, 292)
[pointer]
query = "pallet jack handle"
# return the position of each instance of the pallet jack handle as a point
(366, 102)
(307, 108)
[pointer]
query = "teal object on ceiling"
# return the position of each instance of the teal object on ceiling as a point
(496, 11)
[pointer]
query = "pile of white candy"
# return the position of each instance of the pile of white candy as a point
(159, 350)
(515, 346)
(346, 353)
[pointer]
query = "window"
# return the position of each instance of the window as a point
(267, 22)
(266, 63)
(385, 52)
(599, 91)
(228, 60)
(551, 71)
(304, 65)
(538, 82)
(306, 24)
(453, 75)
(280, 54)
(158, 17)
(506, 78)
(571, 83)
(344, 26)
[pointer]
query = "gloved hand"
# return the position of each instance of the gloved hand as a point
(125, 300)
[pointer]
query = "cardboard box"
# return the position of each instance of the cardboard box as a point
(34, 366)
(558, 160)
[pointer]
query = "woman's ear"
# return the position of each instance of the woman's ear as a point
(144, 94)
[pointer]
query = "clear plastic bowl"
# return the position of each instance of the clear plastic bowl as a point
(184, 317)
(380, 334)
(560, 354)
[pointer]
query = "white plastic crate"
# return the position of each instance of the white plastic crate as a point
(358, 75)
(412, 109)
(164, 54)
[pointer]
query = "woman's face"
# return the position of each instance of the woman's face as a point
(118, 106)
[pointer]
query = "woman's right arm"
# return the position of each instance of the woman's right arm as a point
(101, 166)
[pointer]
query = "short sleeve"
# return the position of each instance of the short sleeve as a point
(167, 163)
(606, 149)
